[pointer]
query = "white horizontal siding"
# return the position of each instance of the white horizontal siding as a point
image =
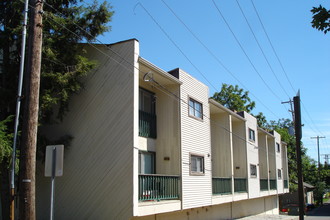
(195, 139)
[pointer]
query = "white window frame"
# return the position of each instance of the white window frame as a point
(192, 108)
(252, 135)
(253, 171)
(199, 169)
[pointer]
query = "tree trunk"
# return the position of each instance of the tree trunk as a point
(30, 120)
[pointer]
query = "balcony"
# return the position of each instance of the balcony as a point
(221, 186)
(147, 125)
(158, 187)
(273, 184)
(263, 184)
(240, 185)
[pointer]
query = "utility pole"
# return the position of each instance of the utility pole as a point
(30, 121)
(318, 151)
(326, 158)
(18, 108)
(297, 113)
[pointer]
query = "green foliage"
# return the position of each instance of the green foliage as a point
(321, 19)
(234, 98)
(261, 120)
(67, 23)
(6, 139)
(319, 191)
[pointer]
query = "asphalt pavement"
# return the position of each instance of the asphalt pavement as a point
(322, 212)
(319, 213)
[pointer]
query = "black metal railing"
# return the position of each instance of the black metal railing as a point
(240, 185)
(221, 185)
(158, 187)
(263, 184)
(147, 125)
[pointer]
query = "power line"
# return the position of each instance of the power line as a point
(173, 95)
(271, 44)
(262, 51)
(279, 60)
(216, 58)
(244, 52)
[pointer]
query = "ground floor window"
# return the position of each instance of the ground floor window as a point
(253, 170)
(196, 164)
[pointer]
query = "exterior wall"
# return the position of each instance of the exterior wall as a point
(284, 154)
(272, 158)
(265, 205)
(167, 143)
(195, 139)
(239, 149)
(97, 182)
(221, 145)
(263, 158)
(102, 161)
(252, 156)
(278, 154)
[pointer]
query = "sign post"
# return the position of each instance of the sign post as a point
(53, 168)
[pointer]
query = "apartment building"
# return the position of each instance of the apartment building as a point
(151, 144)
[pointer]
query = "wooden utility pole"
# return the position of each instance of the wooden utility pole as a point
(297, 123)
(30, 120)
(318, 151)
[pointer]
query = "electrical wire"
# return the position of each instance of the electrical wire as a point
(178, 98)
(244, 52)
(262, 51)
(217, 59)
(271, 44)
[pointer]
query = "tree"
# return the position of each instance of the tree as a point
(321, 19)
(234, 98)
(66, 23)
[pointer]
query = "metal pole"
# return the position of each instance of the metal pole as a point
(53, 184)
(296, 101)
(18, 107)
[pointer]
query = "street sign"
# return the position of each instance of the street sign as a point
(59, 150)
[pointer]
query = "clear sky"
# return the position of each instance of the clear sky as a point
(194, 36)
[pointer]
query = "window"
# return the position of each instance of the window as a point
(146, 162)
(147, 101)
(278, 147)
(195, 108)
(252, 136)
(196, 164)
(279, 174)
(253, 170)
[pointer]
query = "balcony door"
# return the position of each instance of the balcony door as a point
(147, 101)
(146, 162)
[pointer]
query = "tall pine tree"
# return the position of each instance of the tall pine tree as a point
(66, 24)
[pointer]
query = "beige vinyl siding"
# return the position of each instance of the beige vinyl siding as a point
(98, 167)
(195, 139)
(263, 154)
(252, 156)
(278, 156)
(239, 149)
(221, 145)
(167, 143)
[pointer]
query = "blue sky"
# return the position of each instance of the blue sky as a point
(303, 51)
